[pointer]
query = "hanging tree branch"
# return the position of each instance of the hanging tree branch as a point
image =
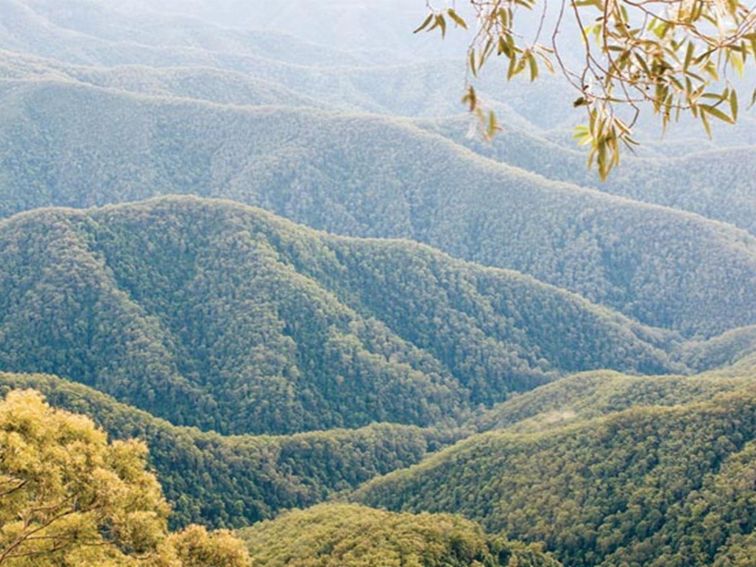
(671, 56)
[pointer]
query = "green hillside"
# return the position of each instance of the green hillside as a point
(648, 486)
(736, 348)
(214, 314)
(359, 175)
(334, 535)
(716, 183)
(592, 394)
(233, 481)
(267, 243)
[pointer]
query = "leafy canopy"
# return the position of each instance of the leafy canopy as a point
(671, 55)
(68, 497)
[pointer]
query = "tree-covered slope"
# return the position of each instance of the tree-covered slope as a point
(344, 535)
(233, 481)
(654, 486)
(733, 349)
(716, 183)
(368, 176)
(592, 394)
(214, 314)
(201, 83)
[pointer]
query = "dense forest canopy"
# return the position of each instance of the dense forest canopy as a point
(346, 535)
(645, 486)
(159, 304)
(266, 302)
(233, 481)
(358, 175)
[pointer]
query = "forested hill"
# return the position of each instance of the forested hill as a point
(234, 481)
(344, 535)
(218, 315)
(370, 176)
(715, 183)
(592, 394)
(648, 486)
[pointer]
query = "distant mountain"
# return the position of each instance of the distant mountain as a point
(343, 535)
(646, 486)
(88, 31)
(734, 349)
(83, 32)
(710, 181)
(381, 26)
(218, 315)
(234, 481)
(369, 176)
(716, 183)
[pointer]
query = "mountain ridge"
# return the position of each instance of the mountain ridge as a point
(342, 196)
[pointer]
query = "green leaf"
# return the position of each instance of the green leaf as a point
(579, 102)
(737, 63)
(425, 23)
(688, 56)
(734, 104)
(706, 125)
(533, 65)
(442, 24)
(493, 125)
(512, 66)
(457, 18)
(716, 113)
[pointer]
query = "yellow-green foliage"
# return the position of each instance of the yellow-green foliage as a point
(69, 498)
(343, 535)
(196, 547)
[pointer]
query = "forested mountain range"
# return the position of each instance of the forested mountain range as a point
(181, 303)
(232, 480)
(466, 353)
(229, 481)
(712, 182)
(176, 146)
(715, 183)
(358, 175)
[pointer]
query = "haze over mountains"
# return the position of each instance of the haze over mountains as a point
(267, 240)
(345, 174)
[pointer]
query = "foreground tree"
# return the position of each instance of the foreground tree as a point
(671, 55)
(70, 498)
